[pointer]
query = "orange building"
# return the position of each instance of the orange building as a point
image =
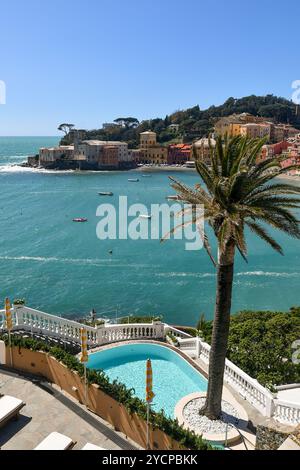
(109, 156)
(179, 154)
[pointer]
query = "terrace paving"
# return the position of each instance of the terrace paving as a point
(48, 410)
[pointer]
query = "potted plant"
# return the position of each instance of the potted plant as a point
(18, 303)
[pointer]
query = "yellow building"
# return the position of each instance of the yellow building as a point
(150, 150)
(232, 125)
(147, 139)
(227, 126)
(255, 131)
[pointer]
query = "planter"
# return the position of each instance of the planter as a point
(18, 306)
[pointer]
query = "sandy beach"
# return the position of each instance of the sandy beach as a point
(144, 169)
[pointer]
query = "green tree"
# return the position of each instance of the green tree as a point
(239, 193)
(65, 128)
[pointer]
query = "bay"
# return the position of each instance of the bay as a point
(63, 268)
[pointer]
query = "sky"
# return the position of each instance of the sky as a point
(91, 61)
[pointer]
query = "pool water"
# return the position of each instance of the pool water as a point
(173, 377)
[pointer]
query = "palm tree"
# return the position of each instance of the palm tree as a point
(237, 194)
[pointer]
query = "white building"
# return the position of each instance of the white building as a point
(91, 150)
(50, 155)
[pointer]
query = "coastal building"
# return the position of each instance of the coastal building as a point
(254, 127)
(292, 157)
(150, 151)
(271, 150)
(93, 150)
(110, 156)
(135, 155)
(50, 155)
(110, 125)
(147, 139)
(203, 148)
(256, 130)
(179, 154)
(231, 125)
(281, 132)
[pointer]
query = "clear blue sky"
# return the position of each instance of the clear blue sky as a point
(90, 61)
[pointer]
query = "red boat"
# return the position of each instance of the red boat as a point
(80, 219)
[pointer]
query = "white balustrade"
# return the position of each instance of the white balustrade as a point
(35, 321)
(175, 332)
(122, 332)
(286, 412)
(40, 323)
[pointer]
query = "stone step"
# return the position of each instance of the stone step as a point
(250, 440)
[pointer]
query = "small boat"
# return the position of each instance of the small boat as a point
(106, 193)
(145, 216)
(80, 219)
(173, 198)
(146, 176)
(133, 180)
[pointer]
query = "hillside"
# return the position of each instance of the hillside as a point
(195, 123)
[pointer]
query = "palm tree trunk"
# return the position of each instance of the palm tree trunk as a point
(212, 407)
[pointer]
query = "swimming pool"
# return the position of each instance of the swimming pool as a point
(173, 377)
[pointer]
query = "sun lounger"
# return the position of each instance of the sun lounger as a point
(55, 441)
(10, 407)
(90, 446)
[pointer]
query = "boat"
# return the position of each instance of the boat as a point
(106, 193)
(173, 198)
(146, 176)
(80, 219)
(133, 180)
(145, 216)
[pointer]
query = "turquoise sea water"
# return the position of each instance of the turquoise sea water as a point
(173, 377)
(62, 267)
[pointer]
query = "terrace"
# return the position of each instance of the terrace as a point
(50, 410)
(257, 403)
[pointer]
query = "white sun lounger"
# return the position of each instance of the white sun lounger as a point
(9, 408)
(90, 446)
(55, 441)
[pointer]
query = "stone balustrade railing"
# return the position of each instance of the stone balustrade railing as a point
(114, 333)
(175, 332)
(246, 386)
(250, 389)
(40, 323)
(285, 412)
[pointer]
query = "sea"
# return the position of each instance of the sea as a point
(63, 268)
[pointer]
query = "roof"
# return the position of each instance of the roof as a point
(148, 133)
(103, 142)
(204, 142)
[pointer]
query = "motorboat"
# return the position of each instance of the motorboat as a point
(146, 176)
(80, 219)
(133, 180)
(145, 216)
(173, 198)
(106, 193)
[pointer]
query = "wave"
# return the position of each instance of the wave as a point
(113, 263)
(268, 274)
(15, 168)
(175, 274)
(23, 169)
(240, 274)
